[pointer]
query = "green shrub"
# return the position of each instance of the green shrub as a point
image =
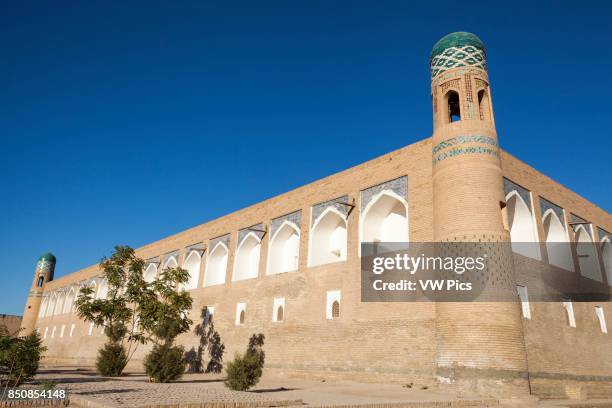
(19, 357)
(165, 363)
(244, 372)
(112, 359)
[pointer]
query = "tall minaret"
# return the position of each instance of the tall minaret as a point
(480, 345)
(43, 274)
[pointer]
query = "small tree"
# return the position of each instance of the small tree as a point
(245, 371)
(19, 357)
(210, 341)
(163, 315)
(118, 312)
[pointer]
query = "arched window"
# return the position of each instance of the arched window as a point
(102, 290)
(557, 246)
(587, 256)
(246, 265)
(216, 266)
(454, 107)
(284, 249)
(385, 219)
(606, 254)
(278, 311)
(328, 238)
(150, 273)
(335, 309)
(192, 265)
(240, 313)
(41, 280)
(523, 233)
(69, 301)
(483, 104)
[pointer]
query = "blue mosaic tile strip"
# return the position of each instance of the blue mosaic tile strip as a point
(223, 238)
(294, 217)
(318, 209)
(575, 218)
(465, 150)
(509, 186)
(453, 141)
(245, 231)
(546, 205)
(399, 186)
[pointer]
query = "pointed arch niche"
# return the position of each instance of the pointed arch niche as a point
(523, 229)
(328, 237)
(283, 255)
(555, 236)
(150, 273)
(69, 301)
(248, 252)
(586, 252)
(606, 254)
(192, 265)
(384, 212)
(216, 263)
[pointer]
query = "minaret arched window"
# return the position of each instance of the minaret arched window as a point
(453, 105)
(41, 280)
(483, 104)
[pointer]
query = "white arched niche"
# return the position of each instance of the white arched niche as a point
(150, 273)
(284, 250)
(170, 263)
(606, 254)
(59, 303)
(557, 245)
(328, 238)
(43, 308)
(192, 265)
(216, 265)
(246, 265)
(102, 290)
(523, 232)
(69, 301)
(385, 219)
(586, 253)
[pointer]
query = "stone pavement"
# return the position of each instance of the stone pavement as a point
(87, 389)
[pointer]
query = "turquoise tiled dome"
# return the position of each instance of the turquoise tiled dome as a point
(47, 256)
(455, 50)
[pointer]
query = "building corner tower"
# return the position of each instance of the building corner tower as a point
(480, 345)
(43, 274)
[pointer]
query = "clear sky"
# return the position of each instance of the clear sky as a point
(125, 122)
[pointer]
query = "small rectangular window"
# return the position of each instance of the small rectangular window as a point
(602, 319)
(524, 297)
(569, 308)
(72, 329)
(53, 332)
(278, 310)
(62, 330)
(90, 331)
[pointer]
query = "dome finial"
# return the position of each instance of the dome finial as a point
(458, 49)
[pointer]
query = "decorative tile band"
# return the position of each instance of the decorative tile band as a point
(454, 57)
(465, 150)
(464, 139)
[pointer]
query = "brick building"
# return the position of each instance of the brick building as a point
(289, 267)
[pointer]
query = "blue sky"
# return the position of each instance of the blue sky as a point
(126, 122)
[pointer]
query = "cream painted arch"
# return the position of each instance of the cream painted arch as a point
(284, 251)
(557, 243)
(150, 273)
(192, 265)
(587, 255)
(216, 265)
(102, 292)
(606, 254)
(43, 308)
(170, 263)
(59, 303)
(523, 230)
(385, 219)
(69, 301)
(248, 253)
(328, 238)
